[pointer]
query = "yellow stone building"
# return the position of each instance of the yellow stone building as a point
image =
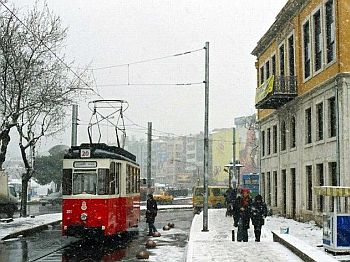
(221, 154)
(302, 98)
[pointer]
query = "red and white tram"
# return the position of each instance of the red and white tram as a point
(101, 191)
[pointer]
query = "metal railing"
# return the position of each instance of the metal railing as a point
(285, 85)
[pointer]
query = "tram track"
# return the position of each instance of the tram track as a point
(55, 251)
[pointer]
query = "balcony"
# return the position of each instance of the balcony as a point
(276, 92)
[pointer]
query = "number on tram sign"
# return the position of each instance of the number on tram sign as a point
(85, 153)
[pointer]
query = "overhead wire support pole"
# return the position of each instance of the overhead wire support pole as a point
(206, 140)
(74, 138)
(149, 157)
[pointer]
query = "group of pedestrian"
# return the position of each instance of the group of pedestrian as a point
(245, 209)
(240, 206)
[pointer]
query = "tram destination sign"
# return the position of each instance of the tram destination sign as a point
(85, 164)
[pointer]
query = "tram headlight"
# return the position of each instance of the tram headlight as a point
(83, 216)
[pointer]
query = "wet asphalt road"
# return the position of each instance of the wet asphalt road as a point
(34, 248)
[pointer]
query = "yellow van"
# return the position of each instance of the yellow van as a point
(216, 197)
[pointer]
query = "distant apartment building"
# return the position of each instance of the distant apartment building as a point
(302, 98)
(194, 158)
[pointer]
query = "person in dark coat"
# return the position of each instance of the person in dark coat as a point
(151, 214)
(258, 212)
(236, 207)
(230, 198)
(243, 207)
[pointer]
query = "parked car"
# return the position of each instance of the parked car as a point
(54, 198)
(163, 197)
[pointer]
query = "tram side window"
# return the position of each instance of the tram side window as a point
(102, 181)
(117, 179)
(128, 172)
(133, 180)
(138, 180)
(112, 179)
(67, 182)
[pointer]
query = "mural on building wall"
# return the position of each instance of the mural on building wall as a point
(247, 144)
(248, 155)
(221, 154)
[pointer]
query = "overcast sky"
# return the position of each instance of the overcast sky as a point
(106, 33)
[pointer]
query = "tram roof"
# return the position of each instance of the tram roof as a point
(100, 150)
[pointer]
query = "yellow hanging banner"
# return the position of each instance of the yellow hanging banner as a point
(264, 89)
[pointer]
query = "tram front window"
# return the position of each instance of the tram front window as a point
(84, 183)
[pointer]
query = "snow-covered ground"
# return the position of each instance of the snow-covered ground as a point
(214, 245)
(20, 224)
(217, 244)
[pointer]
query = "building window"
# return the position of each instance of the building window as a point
(263, 143)
(294, 190)
(267, 66)
(282, 58)
(261, 75)
(332, 171)
(309, 187)
(268, 141)
(283, 136)
(319, 120)
(292, 132)
(317, 40)
(291, 55)
(273, 65)
(332, 117)
(268, 189)
(263, 185)
(275, 188)
(320, 182)
(308, 137)
(307, 49)
(274, 131)
(330, 31)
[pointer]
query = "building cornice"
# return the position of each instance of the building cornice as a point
(288, 12)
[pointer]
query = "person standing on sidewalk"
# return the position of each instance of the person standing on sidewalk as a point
(151, 214)
(244, 215)
(258, 212)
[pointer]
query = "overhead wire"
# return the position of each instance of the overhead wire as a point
(151, 84)
(48, 48)
(106, 67)
(148, 60)
(113, 66)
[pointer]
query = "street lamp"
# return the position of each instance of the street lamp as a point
(238, 166)
(230, 171)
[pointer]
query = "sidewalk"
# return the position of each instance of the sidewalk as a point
(27, 225)
(217, 244)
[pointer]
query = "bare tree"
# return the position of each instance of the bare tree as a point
(35, 84)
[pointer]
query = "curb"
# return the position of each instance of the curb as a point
(29, 231)
(301, 249)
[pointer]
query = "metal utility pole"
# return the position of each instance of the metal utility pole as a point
(206, 140)
(149, 157)
(74, 140)
(233, 155)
